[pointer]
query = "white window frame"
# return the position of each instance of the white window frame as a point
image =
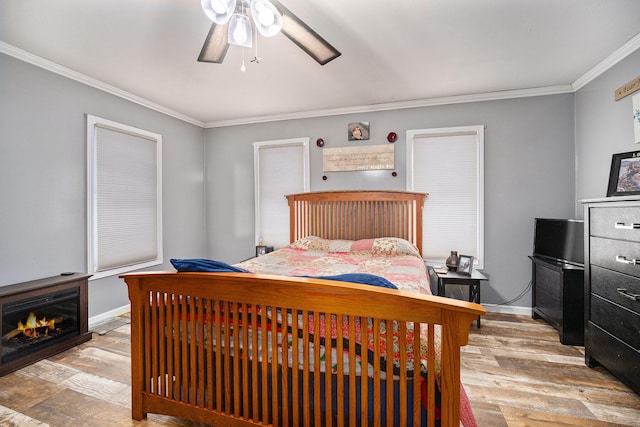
(478, 132)
(259, 145)
(93, 124)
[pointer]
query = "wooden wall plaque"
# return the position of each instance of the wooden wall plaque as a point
(627, 89)
(369, 157)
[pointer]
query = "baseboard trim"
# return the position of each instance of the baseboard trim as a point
(108, 315)
(507, 309)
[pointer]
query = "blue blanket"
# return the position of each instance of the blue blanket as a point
(361, 278)
(209, 265)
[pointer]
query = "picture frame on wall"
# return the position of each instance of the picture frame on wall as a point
(624, 178)
(358, 131)
(465, 265)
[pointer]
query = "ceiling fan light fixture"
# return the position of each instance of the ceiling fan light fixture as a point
(219, 11)
(240, 32)
(267, 18)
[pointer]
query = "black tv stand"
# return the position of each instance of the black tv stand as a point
(558, 297)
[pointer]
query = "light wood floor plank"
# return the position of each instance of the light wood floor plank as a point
(11, 418)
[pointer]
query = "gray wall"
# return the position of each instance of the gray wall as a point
(604, 127)
(529, 172)
(43, 177)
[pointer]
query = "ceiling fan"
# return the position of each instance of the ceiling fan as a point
(231, 25)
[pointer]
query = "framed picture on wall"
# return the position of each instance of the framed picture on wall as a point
(466, 265)
(624, 178)
(358, 131)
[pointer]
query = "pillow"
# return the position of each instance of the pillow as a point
(361, 278)
(200, 264)
(315, 243)
(306, 243)
(393, 246)
(379, 246)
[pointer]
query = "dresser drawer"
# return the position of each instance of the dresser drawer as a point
(616, 287)
(615, 255)
(616, 320)
(619, 358)
(615, 222)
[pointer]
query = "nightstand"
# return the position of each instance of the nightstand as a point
(454, 278)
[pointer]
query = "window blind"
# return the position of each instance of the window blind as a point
(446, 167)
(281, 170)
(124, 200)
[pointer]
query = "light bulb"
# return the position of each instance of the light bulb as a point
(240, 33)
(243, 67)
(265, 16)
(218, 6)
(219, 11)
(240, 30)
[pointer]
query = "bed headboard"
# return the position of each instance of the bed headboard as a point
(354, 215)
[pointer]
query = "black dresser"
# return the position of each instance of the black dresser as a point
(612, 286)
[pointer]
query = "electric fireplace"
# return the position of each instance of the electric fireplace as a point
(41, 318)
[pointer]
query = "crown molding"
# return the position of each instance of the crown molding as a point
(460, 99)
(39, 61)
(617, 56)
(628, 48)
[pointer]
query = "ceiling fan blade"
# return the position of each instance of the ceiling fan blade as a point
(215, 45)
(307, 39)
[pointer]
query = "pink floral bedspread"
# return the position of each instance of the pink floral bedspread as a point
(394, 259)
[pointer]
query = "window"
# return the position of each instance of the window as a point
(448, 163)
(124, 198)
(280, 168)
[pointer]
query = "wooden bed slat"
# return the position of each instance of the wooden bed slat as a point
(364, 386)
(316, 370)
(328, 374)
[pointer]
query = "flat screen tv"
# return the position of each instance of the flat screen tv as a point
(560, 240)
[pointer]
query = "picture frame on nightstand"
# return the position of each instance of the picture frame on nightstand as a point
(263, 250)
(466, 265)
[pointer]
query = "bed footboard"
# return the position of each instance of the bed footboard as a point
(246, 349)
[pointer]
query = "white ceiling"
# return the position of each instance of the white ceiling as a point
(393, 51)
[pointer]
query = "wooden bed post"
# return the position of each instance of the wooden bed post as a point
(419, 211)
(137, 348)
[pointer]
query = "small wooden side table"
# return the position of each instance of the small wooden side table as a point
(454, 278)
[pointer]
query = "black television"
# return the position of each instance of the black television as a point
(559, 240)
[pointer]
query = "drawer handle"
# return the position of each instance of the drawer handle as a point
(623, 260)
(623, 226)
(625, 293)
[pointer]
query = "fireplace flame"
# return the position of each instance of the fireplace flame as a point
(30, 328)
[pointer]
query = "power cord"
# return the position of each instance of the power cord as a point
(523, 293)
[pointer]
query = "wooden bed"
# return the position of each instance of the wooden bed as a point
(186, 329)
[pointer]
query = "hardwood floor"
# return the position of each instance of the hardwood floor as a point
(517, 373)
(514, 369)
